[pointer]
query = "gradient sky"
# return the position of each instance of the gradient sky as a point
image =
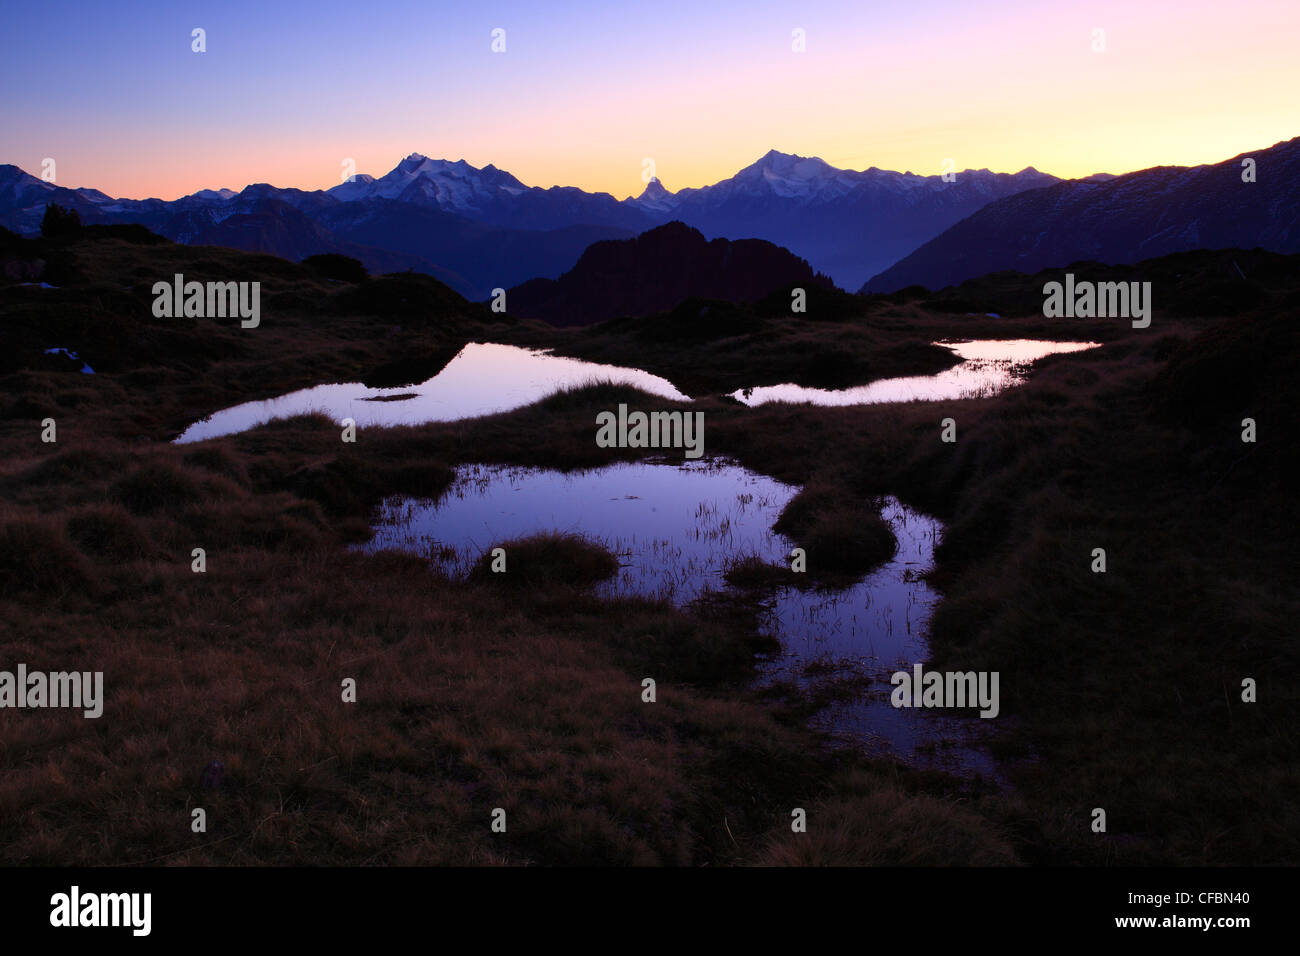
(586, 90)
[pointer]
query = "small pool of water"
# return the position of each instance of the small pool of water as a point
(676, 527)
(483, 379)
(989, 367)
(486, 378)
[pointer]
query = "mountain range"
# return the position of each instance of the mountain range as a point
(480, 229)
(845, 223)
(1122, 219)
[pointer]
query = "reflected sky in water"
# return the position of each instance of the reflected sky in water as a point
(989, 367)
(482, 379)
(675, 528)
(486, 378)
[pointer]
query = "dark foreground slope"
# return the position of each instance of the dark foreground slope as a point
(471, 695)
(1120, 691)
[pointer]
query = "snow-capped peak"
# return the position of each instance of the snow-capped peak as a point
(453, 185)
(655, 197)
(793, 176)
(213, 194)
(791, 164)
(654, 190)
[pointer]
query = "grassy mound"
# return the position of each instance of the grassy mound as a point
(842, 539)
(547, 560)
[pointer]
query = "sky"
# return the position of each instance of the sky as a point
(585, 92)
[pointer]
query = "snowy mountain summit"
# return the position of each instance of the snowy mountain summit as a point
(454, 186)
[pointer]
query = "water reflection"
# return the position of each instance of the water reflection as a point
(988, 368)
(675, 528)
(486, 378)
(482, 379)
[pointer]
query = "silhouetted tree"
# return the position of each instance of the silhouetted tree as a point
(60, 222)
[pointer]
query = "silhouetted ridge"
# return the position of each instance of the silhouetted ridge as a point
(1119, 219)
(656, 270)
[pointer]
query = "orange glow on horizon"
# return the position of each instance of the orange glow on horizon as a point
(988, 85)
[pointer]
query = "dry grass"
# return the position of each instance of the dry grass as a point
(1120, 690)
(542, 560)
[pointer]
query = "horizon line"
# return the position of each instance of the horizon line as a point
(597, 192)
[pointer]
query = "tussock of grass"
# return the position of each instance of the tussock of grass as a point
(107, 531)
(79, 463)
(35, 558)
(843, 540)
(714, 645)
(547, 560)
(156, 486)
(870, 823)
(294, 525)
(752, 573)
(218, 460)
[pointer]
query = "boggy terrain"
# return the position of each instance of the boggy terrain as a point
(1119, 690)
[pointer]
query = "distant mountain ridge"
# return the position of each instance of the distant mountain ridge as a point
(655, 271)
(480, 229)
(847, 224)
(1120, 219)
